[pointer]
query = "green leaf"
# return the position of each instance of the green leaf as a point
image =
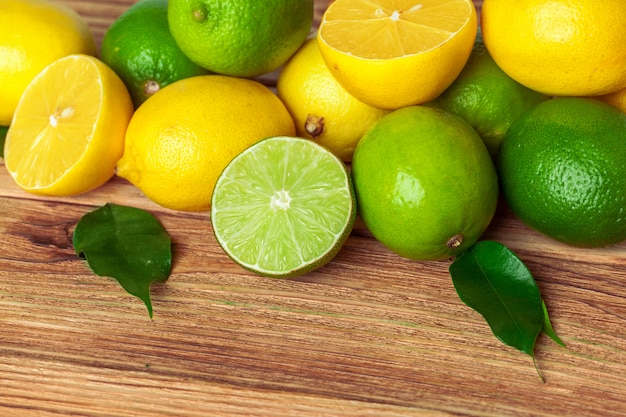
(3, 135)
(492, 280)
(547, 327)
(127, 244)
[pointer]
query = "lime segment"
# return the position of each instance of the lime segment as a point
(283, 207)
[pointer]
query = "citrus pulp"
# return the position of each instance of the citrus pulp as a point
(283, 207)
(68, 130)
(392, 54)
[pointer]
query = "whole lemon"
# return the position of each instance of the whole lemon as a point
(179, 141)
(562, 171)
(425, 183)
(243, 38)
(141, 49)
(322, 109)
(559, 47)
(34, 34)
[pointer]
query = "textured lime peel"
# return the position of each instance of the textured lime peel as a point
(283, 207)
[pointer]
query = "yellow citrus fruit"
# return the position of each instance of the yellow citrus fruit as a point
(322, 109)
(179, 141)
(35, 33)
(616, 99)
(390, 53)
(559, 47)
(243, 38)
(68, 130)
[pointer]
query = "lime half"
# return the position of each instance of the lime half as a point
(283, 207)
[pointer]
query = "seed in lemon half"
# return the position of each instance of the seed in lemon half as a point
(391, 54)
(283, 207)
(68, 130)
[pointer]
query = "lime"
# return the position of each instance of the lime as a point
(141, 50)
(283, 207)
(425, 183)
(487, 98)
(243, 38)
(562, 171)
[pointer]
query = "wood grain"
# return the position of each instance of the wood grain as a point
(370, 334)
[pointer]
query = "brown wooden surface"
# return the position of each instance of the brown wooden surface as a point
(370, 334)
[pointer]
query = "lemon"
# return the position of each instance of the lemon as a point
(243, 38)
(562, 171)
(322, 109)
(34, 34)
(179, 141)
(283, 207)
(487, 98)
(425, 183)
(616, 99)
(559, 47)
(68, 130)
(141, 49)
(391, 54)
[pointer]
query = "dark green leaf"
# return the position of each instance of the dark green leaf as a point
(547, 327)
(3, 135)
(127, 244)
(492, 280)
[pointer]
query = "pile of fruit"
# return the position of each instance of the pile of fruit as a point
(417, 115)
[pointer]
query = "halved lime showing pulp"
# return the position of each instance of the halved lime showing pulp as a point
(283, 207)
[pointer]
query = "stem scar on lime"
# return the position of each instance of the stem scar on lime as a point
(200, 13)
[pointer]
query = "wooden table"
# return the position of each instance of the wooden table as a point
(370, 334)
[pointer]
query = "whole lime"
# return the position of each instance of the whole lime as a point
(243, 38)
(487, 97)
(425, 183)
(562, 171)
(140, 48)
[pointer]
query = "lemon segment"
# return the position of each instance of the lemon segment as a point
(283, 207)
(392, 54)
(68, 130)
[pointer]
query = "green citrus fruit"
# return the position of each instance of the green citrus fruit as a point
(283, 207)
(139, 47)
(243, 38)
(562, 171)
(487, 97)
(425, 183)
